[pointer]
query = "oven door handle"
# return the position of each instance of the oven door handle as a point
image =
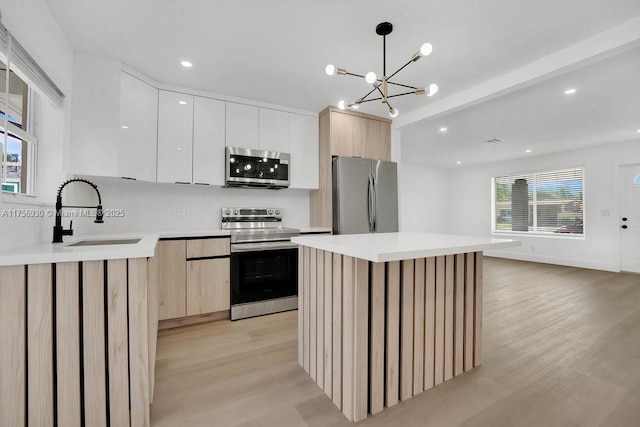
(264, 246)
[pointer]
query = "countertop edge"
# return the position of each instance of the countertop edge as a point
(399, 255)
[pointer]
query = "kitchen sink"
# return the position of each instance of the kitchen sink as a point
(105, 242)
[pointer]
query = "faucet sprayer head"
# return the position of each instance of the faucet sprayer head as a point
(99, 215)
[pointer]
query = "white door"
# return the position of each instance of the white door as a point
(630, 218)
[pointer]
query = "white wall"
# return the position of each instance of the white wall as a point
(423, 198)
(33, 25)
(470, 205)
(150, 206)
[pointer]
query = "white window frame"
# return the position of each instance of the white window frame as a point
(535, 232)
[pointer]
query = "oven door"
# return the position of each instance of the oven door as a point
(263, 271)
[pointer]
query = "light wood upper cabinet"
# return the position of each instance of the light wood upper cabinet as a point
(346, 135)
(274, 130)
(376, 139)
(175, 137)
(242, 126)
(208, 287)
(208, 141)
(139, 129)
(304, 150)
(169, 265)
(353, 135)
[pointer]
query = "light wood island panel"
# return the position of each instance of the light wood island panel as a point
(74, 344)
(397, 328)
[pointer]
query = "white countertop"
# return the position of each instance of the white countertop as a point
(383, 247)
(44, 253)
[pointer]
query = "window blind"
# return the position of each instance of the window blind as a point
(543, 202)
(26, 67)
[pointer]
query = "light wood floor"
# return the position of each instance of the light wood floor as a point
(561, 348)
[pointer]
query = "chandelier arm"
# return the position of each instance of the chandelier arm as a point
(401, 94)
(369, 100)
(400, 69)
(399, 84)
(354, 75)
(370, 92)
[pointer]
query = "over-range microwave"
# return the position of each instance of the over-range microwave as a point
(245, 167)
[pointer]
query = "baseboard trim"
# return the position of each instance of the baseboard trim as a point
(194, 320)
(614, 268)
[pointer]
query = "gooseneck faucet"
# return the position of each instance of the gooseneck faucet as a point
(58, 230)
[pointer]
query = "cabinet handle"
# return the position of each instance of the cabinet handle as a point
(201, 183)
(180, 182)
(127, 177)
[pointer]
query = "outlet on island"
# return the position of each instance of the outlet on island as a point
(179, 210)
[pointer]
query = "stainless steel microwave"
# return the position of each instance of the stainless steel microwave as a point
(245, 167)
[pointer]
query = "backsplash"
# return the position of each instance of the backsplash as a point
(141, 206)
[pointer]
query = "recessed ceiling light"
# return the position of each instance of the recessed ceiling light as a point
(443, 129)
(182, 102)
(186, 64)
(570, 91)
(125, 127)
(638, 130)
(527, 151)
(458, 162)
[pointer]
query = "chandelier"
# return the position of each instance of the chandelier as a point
(381, 85)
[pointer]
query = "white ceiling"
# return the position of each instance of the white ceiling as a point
(604, 109)
(276, 52)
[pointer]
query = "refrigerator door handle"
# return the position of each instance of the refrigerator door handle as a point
(371, 203)
(375, 204)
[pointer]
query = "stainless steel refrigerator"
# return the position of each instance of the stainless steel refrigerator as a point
(365, 196)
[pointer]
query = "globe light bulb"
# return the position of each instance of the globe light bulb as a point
(393, 112)
(331, 70)
(371, 77)
(433, 89)
(426, 49)
(341, 104)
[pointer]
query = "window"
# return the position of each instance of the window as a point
(17, 142)
(542, 203)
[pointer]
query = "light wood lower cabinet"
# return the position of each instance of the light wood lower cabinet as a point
(171, 273)
(208, 287)
(192, 277)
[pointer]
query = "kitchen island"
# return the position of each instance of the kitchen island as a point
(383, 317)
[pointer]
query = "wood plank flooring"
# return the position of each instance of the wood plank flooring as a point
(561, 347)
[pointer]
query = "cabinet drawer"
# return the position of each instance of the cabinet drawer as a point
(201, 248)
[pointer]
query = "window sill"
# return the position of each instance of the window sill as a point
(23, 199)
(565, 236)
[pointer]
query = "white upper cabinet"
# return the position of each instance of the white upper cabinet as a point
(242, 126)
(274, 130)
(138, 141)
(95, 116)
(208, 141)
(303, 147)
(175, 137)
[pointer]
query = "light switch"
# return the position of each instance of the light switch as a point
(605, 212)
(179, 210)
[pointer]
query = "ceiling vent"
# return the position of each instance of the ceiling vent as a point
(494, 141)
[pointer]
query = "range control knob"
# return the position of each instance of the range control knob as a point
(277, 211)
(270, 211)
(235, 212)
(227, 212)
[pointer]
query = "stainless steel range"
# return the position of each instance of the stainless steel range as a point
(264, 262)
